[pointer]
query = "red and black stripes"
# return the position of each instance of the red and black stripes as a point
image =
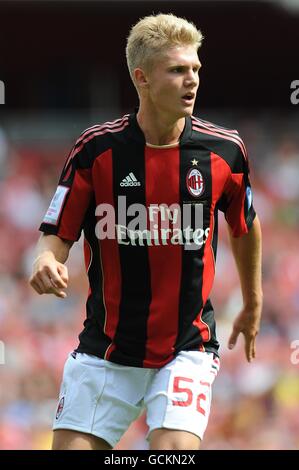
(135, 289)
(149, 295)
(93, 338)
(165, 261)
(108, 248)
(192, 329)
(77, 200)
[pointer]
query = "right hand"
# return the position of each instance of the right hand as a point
(49, 276)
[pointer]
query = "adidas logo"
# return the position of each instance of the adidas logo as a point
(130, 180)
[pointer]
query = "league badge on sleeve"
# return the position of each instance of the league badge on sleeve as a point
(56, 205)
(248, 197)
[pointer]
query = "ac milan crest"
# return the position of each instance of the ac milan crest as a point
(195, 183)
(60, 407)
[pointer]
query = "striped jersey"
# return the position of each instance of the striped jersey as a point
(149, 219)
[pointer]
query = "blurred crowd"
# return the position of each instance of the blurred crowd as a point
(255, 406)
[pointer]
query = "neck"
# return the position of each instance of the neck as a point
(159, 130)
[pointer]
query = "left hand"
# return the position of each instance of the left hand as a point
(248, 323)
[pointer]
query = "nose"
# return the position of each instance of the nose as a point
(191, 78)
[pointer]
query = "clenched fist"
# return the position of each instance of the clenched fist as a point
(49, 276)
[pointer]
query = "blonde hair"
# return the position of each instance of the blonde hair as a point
(155, 33)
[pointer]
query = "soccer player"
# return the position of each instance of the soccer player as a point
(145, 190)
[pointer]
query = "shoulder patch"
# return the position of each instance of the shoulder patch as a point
(55, 207)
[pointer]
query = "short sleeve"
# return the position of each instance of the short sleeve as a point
(237, 201)
(72, 198)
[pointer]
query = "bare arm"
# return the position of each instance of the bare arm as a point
(49, 274)
(247, 251)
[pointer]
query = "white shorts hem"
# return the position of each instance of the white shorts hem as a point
(111, 441)
(175, 427)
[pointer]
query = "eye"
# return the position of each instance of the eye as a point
(177, 69)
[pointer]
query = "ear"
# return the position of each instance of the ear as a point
(140, 78)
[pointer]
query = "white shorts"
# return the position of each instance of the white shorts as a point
(102, 398)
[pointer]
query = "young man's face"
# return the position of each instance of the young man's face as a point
(173, 82)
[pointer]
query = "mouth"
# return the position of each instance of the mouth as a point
(188, 98)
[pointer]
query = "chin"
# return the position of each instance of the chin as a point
(187, 112)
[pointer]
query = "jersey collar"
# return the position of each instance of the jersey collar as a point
(137, 134)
